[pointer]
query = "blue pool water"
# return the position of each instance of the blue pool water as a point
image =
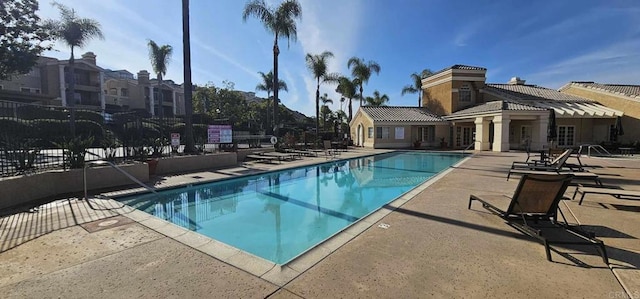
(279, 215)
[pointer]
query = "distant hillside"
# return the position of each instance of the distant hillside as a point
(251, 97)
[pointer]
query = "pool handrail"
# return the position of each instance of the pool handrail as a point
(103, 162)
(598, 149)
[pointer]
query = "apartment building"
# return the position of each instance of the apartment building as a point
(48, 80)
(95, 88)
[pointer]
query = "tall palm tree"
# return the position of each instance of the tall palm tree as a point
(325, 109)
(281, 22)
(361, 71)
(317, 64)
(348, 89)
(267, 86)
(159, 56)
(377, 99)
(74, 31)
(190, 145)
(416, 87)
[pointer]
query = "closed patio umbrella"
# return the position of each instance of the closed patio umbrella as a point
(619, 130)
(553, 127)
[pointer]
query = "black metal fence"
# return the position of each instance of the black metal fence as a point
(35, 138)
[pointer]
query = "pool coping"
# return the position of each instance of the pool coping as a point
(272, 272)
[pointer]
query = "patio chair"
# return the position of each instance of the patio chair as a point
(329, 150)
(536, 199)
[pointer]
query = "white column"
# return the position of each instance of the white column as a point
(63, 90)
(482, 134)
(103, 103)
(175, 95)
(501, 133)
(151, 100)
(539, 138)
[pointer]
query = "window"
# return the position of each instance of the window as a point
(427, 134)
(1, 87)
(23, 89)
(382, 132)
(464, 93)
(370, 135)
(124, 92)
(566, 135)
(399, 134)
(113, 91)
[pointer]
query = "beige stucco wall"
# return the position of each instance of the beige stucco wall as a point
(438, 99)
(360, 119)
(630, 107)
(23, 189)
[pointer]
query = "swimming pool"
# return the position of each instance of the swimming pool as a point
(280, 215)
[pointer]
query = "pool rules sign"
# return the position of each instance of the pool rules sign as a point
(220, 134)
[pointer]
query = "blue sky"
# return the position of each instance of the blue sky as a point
(547, 43)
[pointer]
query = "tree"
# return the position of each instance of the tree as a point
(377, 99)
(75, 32)
(317, 64)
(325, 110)
(159, 56)
(361, 71)
(267, 85)
(416, 87)
(348, 89)
(22, 37)
(281, 22)
(190, 146)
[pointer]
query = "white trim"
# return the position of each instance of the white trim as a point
(456, 78)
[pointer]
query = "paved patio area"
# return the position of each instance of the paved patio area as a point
(433, 247)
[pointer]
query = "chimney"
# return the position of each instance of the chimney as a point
(143, 77)
(516, 81)
(89, 57)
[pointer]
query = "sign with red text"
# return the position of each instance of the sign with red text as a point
(219, 134)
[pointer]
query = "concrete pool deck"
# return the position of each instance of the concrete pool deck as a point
(431, 246)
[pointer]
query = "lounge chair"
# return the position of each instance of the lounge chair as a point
(554, 164)
(584, 175)
(262, 158)
(615, 192)
(536, 199)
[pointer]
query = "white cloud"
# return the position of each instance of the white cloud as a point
(612, 64)
(339, 36)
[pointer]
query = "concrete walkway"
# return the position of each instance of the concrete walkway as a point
(433, 246)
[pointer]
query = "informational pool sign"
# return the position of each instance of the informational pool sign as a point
(220, 134)
(175, 139)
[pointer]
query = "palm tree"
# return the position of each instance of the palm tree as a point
(281, 22)
(267, 85)
(74, 31)
(317, 64)
(159, 56)
(417, 84)
(377, 99)
(361, 71)
(325, 110)
(189, 146)
(348, 89)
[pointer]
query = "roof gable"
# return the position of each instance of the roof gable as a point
(530, 93)
(632, 91)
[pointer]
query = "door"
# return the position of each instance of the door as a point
(360, 135)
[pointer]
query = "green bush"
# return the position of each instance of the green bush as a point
(35, 112)
(75, 150)
(90, 115)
